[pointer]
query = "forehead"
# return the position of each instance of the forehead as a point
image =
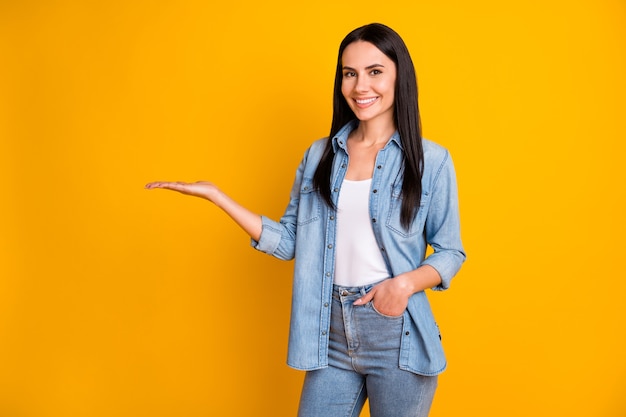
(361, 53)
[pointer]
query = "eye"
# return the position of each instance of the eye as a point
(376, 72)
(349, 74)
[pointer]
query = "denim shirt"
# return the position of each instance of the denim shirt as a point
(307, 232)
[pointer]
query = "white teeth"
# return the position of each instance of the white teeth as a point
(367, 101)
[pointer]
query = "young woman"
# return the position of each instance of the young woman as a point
(365, 204)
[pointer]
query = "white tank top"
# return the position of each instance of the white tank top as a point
(358, 259)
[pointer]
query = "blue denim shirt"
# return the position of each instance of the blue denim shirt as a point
(307, 233)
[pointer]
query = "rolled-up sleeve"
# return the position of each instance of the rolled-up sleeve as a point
(271, 236)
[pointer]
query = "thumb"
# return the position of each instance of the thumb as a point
(365, 299)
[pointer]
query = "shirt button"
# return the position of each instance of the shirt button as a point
(382, 249)
(379, 167)
(375, 191)
(324, 333)
(330, 246)
(336, 189)
(407, 333)
(332, 217)
(343, 165)
(328, 274)
(373, 220)
(325, 304)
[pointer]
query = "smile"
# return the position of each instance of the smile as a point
(366, 101)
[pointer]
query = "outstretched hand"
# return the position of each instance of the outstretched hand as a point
(246, 219)
(203, 189)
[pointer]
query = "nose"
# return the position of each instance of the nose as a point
(362, 84)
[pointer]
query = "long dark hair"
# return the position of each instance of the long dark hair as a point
(406, 117)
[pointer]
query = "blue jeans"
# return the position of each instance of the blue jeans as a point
(363, 363)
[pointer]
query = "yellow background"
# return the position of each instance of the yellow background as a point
(117, 301)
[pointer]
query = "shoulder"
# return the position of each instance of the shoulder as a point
(318, 145)
(433, 152)
(315, 150)
(437, 161)
(311, 158)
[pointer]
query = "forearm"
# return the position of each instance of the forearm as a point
(249, 221)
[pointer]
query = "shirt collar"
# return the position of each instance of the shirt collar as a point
(340, 139)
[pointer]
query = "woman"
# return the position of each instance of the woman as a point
(365, 204)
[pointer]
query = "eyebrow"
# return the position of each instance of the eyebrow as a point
(367, 68)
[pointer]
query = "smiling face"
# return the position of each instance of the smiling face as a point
(368, 83)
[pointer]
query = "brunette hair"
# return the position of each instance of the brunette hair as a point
(406, 117)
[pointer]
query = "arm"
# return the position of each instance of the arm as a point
(442, 232)
(246, 219)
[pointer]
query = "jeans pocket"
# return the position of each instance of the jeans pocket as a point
(373, 307)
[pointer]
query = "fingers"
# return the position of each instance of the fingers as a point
(366, 298)
(203, 189)
(178, 185)
(155, 184)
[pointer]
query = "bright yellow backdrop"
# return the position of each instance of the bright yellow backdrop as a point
(116, 301)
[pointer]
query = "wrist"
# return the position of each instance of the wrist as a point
(421, 278)
(217, 197)
(406, 284)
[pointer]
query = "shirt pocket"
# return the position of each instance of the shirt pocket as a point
(310, 204)
(395, 208)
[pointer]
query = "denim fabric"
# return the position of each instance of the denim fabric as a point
(363, 363)
(307, 231)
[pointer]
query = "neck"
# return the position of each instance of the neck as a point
(370, 133)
